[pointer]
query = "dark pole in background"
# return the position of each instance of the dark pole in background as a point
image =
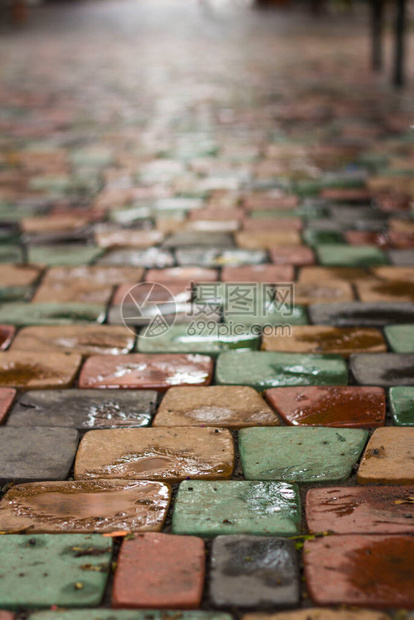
(399, 59)
(377, 17)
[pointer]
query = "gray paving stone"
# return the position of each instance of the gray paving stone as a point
(359, 314)
(83, 409)
(150, 258)
(383, 369)
(30, 454)
(402, 258)
(216, 257)
(253, 572)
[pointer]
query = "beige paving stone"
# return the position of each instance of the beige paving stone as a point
(122, 238)
(386, 290)
(30, 370)
(74, 290)
(331, 291)
(388, 272)
(321, 274)
(260, 240)
(156, 454)
(98, 275)
(85, 507)
(319, 613)
(388, 457)
(185, 275)
(219, 405)
(80, 339)
(18, 275)
(52, 224)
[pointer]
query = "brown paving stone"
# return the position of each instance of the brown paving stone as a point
(80, 339)
(369, 571)
(7, 396)
(179, 291)
(258, 273)
(332, 291)
(185, 275)
(6, 336)
(169, 454)
(263, 240)
(297, 255)
(29, 370)
(388, 457)
(122, 238)
(400, 225)
(325, 339)
(95, 275)
(141, 371)
(319, 614)
(338, 406)
(52, 224)
(401, 239)
(400, 274)
(388, 290)
(68, 291)
(229, 406)
(365, 237)
(160, 571)
(320, 274)
(18, 275)
(85, 507)
(361, 510)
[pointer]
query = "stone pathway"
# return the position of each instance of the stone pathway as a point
(207, 318)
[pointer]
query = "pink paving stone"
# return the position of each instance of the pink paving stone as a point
(258, 273)
(6, 615)
(365, 571)
(362, 237)
(141, 371)
(6, 336)
(401, 239)
(389, 201)
(160, 571)
(7, 396)
(292, 255)
(284, 223)
(337, 406)
(184, 275)
(180, 292)
(361, 510)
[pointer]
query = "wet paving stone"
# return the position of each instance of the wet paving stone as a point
(44, 570)
(142, 371)
(402, 405)
(388, 457)
(208, 509)
(7, 396)
(400, 338)
(325, 339)
(383, 369)
(182, 339)
(51, 313)
(135, 614)
(360, 510)
(252, 571)
(341, 407)
(83, 409)
(263, 370)
(80, 339)
(32, 454)
(392, 291)
(359, 314)
(75, 291)
(70, 255)
(84, 507)
(160, 571)
(21, 369)
(300, 454)
(6, 336)
(156, 454)
(369, 571)
(217, 405)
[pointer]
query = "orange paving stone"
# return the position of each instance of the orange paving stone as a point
(388, 457)
(18, 275)
(160, 571)
(29, 370)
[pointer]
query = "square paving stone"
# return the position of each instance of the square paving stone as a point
(359, 314)
(304, 614)
(384, 369)
(296, 255)
(156, 454)
(51, 314)
(148, 259)
(341, 255)
(194, 339)
(6, 336)
(258, 273)
(142, 371)
(132, 614)
(70, 254)
(337, 406)
(253, 571)
(262, 370)
(44, 570)
(31, 454)
(27, 370)
(83, 409)
(360, 510)
(7, 396)
(402, 405)
(80, 339)
(208, 509)
(400, 338)
(300, 454)
(217, 405)
(161, 571)
(321, 339)
(367, 571)
(388, 457)
(84, 507)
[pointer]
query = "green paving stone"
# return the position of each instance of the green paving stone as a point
(265, 369)
(342, 255)
(208, 508)
(308, 187)
(193, 338)
(11, 293)
(11, 254)
(128, 614)
(300, 454)
(71, 255)
(402, 405)
(320, 237)
(52, 184)
(288, 315)
(400, 338)
(43, 570)
(51, 314)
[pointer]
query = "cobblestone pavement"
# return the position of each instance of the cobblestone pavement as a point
(243, 174)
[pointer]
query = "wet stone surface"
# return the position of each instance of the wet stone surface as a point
(27, 370)
(402, 405)
(390, 369)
